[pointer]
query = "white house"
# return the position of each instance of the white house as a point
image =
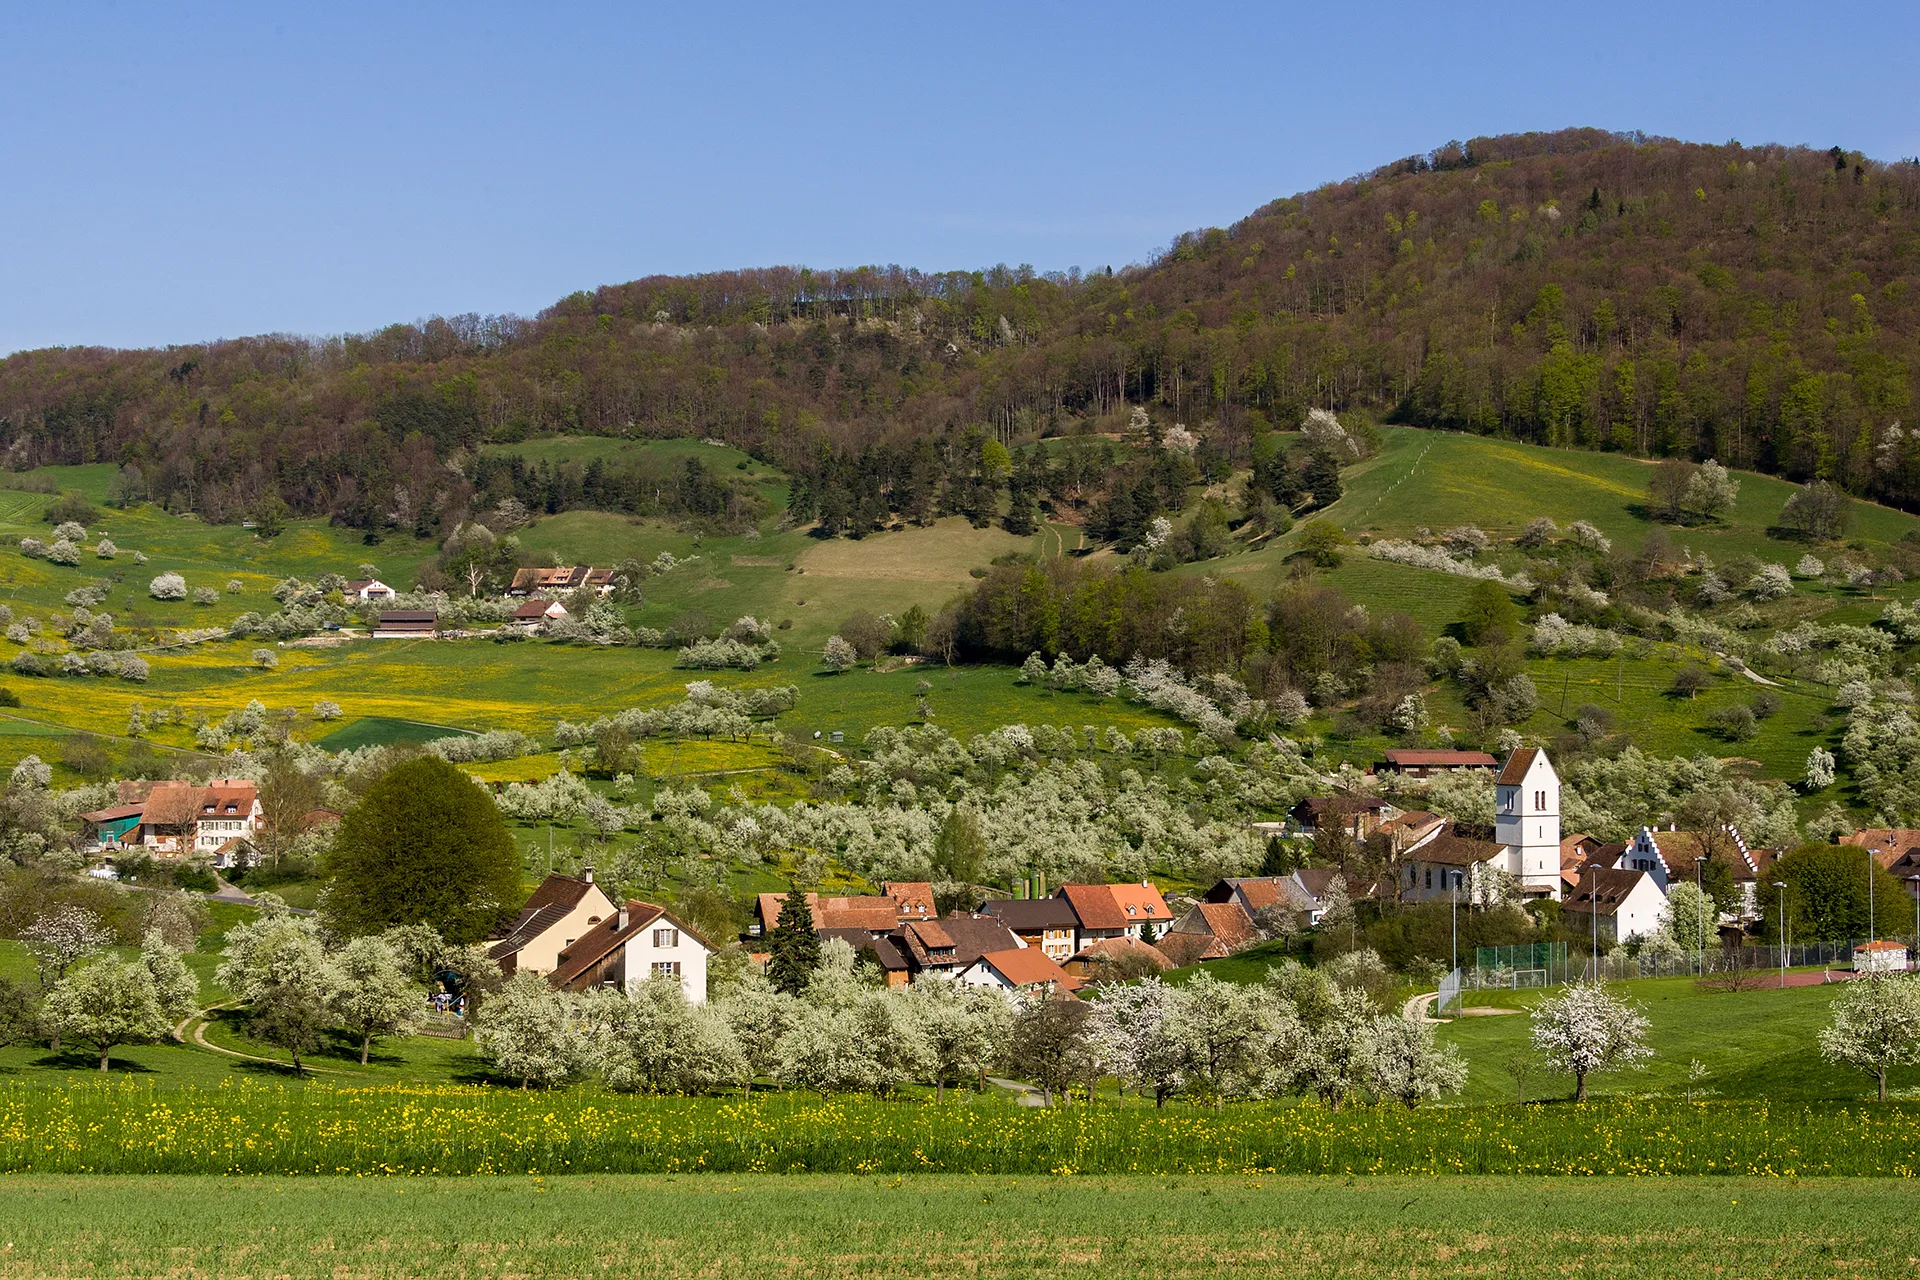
(1628, 904)
(1526, 821)
(640, 941)
(228, 810)
(366, 590)
(1018, 969)
(1880, 957)
(559, 913)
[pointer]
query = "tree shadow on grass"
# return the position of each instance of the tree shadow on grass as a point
(82, 1059)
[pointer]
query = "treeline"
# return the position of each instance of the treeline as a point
(642, 486)
(1752, 304)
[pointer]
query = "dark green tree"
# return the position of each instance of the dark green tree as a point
(1488, 609)
(1827, 898)
(425, 845)
(794, 945)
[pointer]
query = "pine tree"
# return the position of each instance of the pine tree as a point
(794, 944)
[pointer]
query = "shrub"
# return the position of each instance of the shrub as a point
(1773, 582)
(205, 595)
(1735, 724)
(32, 548)
(63, 552)
(106, 550)
(71, 507)
(70, 531)
(235, 586)
(168, 586)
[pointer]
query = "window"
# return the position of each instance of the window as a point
(1540, 800)
(1429, 877)
(664, 938)
(671, 968)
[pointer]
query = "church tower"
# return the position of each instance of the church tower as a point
(1526, 808)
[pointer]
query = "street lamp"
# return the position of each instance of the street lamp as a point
(1914, 880)
(1870, 866)
(1781, 885)
(1700, 918)
(1453, 898)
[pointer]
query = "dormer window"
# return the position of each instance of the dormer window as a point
(1132, 910)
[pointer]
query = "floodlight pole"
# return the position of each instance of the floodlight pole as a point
(1700, 920)
(1453, 897)
(1781, 885)
(1870, 866)
(1914, 955)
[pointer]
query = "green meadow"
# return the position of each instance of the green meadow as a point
(835, 1228)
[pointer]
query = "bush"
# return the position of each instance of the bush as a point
(8, 698)
(106, 550)
(32, 548)
(205, 595)
(1735, 724)
(70, 531)
(64, 552)
(72, 507)
(168, 586)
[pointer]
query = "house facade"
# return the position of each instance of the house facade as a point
(1115, 911)
(1628, 904)
(639, 942)
(367, 591)
(560, 912)
(1045, 923)
(229, 810)
(1016, 970)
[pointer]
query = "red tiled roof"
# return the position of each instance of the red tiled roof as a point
(1409, 758)
(1139, 902)
(1604, 886)
(1094, 906)
(1029, 966)
(1227, 921)
(1515, 771)
(915, 897)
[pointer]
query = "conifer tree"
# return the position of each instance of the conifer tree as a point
(794, 944)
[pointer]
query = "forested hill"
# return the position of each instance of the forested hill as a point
(1754, 304)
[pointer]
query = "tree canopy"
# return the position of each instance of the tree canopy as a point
(425, 845)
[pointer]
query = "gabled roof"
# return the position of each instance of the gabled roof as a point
(1183, 949)
(1093, 906)
(914, 898)
(548, 905)
(1030, 915)
(1138, 902)
(1227, 921)
(1409, 758)
(1887, 843)
(1028, 967)
(172, 804)
(875, 914)
(885, 951)
(1452, 850)
(957, 939)
(533, 610)
(1259, 892)
(1603, 890)
(607, 937)
(1316, 881)
(1515, 771)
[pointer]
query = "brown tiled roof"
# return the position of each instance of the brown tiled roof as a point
(173, 804)
(1606, 887)
(877, 914)
(1093, 906)
(1262, 892)
(1409, 758)
(532, 611)
(605, 938)
(931, 935)
(914, 897)
(133, 792)
(1457, 851)
(885, 950)
(545, 907)
(970, 937)
(1316, 879)
(1183, 949)
(1318, 807)
(1515, 771)
(1030, 915)
(1029, 966)
(228, 800)
(1227, 921)
(113, 814)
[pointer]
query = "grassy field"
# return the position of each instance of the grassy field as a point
(837, 1227)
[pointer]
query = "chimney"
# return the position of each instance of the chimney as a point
(620, 921)
(586, 873)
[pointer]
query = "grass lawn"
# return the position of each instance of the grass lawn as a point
(835, 1227)
(1753, 1044)
(369, 731)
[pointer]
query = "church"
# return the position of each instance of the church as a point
(1525, 849)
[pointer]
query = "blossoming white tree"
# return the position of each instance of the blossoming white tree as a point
(1876, 1026)
(1588, 1029)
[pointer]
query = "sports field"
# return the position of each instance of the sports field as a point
(837, 1227)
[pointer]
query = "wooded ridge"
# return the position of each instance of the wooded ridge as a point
(1584, 288)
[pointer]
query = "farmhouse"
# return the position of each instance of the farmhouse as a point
(877, 913)
(229, 809)
(883, 951)
(1018, 969)
(1114, 911)
(1183, 949)
(1358, 816)
(1433, 764)
(560, 580)
(367, 590)
(538, 611)
(560, 912)
(406, 624)
(639, 942)
(106, 828)
(951, 944)
(1628, 904)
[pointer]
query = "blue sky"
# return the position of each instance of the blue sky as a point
(199, 171)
